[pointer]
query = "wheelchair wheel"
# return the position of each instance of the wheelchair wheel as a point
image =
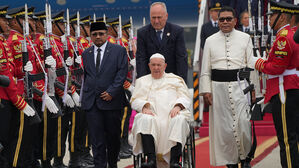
(138, 160)
(188, 156)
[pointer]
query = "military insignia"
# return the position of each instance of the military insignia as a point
(284, 32)
(281, 44)
(14, 37)
(17, 48)
(83, 40)
(281, 53)
(168, 34)
(41, 37)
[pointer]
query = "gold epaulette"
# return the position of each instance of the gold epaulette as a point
(112, 40)
(83, 40)
(41, 37)
(72, 39)
(284, 33)
(124, 40)
(14, 37)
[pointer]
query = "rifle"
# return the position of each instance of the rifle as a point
(120, 35)
(48, 52)
(131, 38)
(27, 82)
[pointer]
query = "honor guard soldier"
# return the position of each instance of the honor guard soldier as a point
(58, 41)
(78, 137)
(282, 89)
(84, 30)
(112, 24)
(12, 105)
(19, 17)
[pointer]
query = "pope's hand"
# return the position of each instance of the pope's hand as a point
(175, 111)
(147, 110)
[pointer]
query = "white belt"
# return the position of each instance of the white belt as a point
(281, 89)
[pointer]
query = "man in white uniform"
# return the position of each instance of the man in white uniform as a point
(161, 126)
(225, 53)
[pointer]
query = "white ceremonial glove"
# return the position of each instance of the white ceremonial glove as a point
(133, 62)
(76, 98)
(69, 101)
(69, 61)
(51, 106)
(28, 111)
(28, 67)
(78, 60)
(51, 62)
(131, 88)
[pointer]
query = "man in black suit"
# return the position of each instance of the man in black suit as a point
(105, 70)
(161, 37)
(210, 27)
(244, 22)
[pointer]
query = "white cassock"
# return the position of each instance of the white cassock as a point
(162, 95)
(229, 116)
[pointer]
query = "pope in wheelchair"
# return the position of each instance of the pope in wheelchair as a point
(161, 127)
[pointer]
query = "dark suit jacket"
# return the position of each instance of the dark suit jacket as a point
(207, 30)
(172, 48)
(110, 77)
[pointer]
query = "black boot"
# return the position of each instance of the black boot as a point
(36, 164)
(86, 158)
(46, 164)
(58, 163)
(148, 146)
(245, 164)
(74, 161)
(232, 166)
(175, 155)
(122, 153)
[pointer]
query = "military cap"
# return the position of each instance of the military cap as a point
(215, 6)
(3, 11)
(17, 12)
(31, 13)
(58, 17)
(41, 15)
(282, 7)
(85, 19)
(73, 18)
(100, 19)
(126, 25)
(112, 21)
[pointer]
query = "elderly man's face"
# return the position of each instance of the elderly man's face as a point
(158, 17)
(99, 37)
(157, 67)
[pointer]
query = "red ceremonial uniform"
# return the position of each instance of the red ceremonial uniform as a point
(14, 41)
(7, 68)
(282, 57)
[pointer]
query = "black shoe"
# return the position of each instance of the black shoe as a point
(123, 155)
(232, 166)
(149, 164)
(46, 164)
(58, 163)
(87, 158)
(36, 164)
(245, 164)
(175, 165)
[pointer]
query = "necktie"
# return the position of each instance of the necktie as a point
(98, 62)
(215, 24)
(246, 30)
(159, 36)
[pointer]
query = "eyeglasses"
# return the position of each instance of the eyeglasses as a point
(95, 34)
(228, 19)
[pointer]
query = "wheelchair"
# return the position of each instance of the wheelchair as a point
(188, 154)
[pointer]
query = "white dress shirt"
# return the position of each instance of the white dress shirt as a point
(103, 47)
